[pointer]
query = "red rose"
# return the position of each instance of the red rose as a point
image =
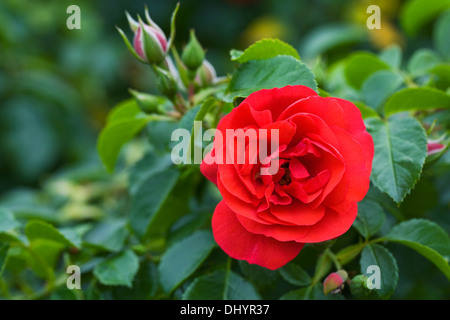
(324, 163)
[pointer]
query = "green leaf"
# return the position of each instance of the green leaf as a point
(196, 143)
(127, 109)
(159, 135)
(145, 284)
(235, 54)
(148, 166)
(299, 294)
(376, 255)
(425, 237)
(262, 278)
(360, 65)
(442, 71)
(150, 197)
(440, 35)
(400, 152)
(422, 61)
(370, 218)
(327, 37)
(416, 14)
(265, 49)
(392, 56)
(39, 230)
(379, 86)
(7, 221)
(124, 122)
(337, 83)
(3, 255)
(295, 275)
(183, 258)
(417, 99)
(118, 270)
(271, 73)
(221, 285)
(46, 253)
(107, 235)
(366, 112)
(114, 136)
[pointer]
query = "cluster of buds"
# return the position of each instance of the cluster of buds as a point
(150, 46)
(335, 282)
(196, 69)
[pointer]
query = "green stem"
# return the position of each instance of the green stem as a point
(333, 258)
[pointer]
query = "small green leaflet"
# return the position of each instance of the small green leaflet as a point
(183, 258)
(118, 270)
(124, 122)
(270, 73)
(416, 14)
(221, 285)
(425, 237)
(360, 65)
(265, 49)
(295, 275)
(39, 230)
(381, 260)
(149, 199)
(369, 219)
(417, 99)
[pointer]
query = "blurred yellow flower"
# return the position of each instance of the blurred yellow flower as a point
(386, 36)
(264, 27)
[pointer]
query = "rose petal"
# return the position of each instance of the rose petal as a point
(332, 225)
(240, 244)
(298, 213)
(277, 100)
(356, 175)
(277, 231)
(208, 167)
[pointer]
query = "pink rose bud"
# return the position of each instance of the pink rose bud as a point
(334, 283)
(434, 146)
(206, 75)
(150, 43)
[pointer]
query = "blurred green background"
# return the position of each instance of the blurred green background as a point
(57, 85)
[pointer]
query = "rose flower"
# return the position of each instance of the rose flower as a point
(323, 162)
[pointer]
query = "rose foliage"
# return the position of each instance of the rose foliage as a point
(359, 182)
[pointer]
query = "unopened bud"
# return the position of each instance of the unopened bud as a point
(433, 146)
(358, 286)
(150, 44)
(148, 103)
(206, 75)
(193, 54)
(334, 283)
